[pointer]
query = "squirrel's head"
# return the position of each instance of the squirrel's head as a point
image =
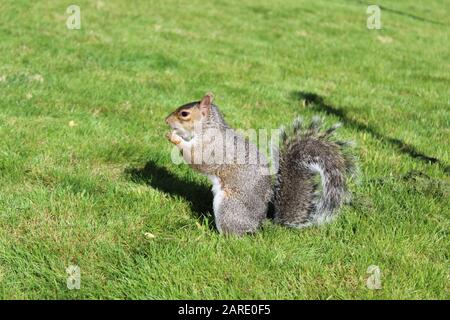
(186, 120)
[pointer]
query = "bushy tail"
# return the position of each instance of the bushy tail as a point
(311, 181)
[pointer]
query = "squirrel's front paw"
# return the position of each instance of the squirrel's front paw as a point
(173, 137)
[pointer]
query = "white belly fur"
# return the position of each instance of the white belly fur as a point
(218, 198)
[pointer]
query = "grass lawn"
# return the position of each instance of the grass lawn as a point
(86, 174)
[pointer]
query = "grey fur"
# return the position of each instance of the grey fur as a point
(298, 199)
(242, 192)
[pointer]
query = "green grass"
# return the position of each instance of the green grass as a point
(87, 193)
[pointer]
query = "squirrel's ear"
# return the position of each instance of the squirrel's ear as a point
(205, 104)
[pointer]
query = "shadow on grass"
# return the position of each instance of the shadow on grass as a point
(199, 196)
(412, 16)
(406, 14)
(319, 104)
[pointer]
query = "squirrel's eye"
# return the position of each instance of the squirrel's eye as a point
(184, 113)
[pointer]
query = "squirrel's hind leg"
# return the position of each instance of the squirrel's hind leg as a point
(231, 215)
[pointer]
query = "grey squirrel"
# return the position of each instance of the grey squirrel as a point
(243, 190)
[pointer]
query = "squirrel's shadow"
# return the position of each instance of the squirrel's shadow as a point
(318, 102)
(199, 196)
